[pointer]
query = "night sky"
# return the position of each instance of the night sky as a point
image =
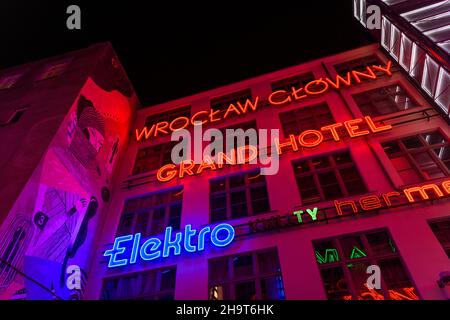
(171, 50)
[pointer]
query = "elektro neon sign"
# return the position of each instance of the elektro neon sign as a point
(127, 249)
(276, 99)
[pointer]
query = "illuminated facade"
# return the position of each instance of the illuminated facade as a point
(416, 35)
(363, 179)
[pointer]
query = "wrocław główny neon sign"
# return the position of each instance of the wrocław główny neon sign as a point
(277, 98)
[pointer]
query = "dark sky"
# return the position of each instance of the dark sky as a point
(171, 50)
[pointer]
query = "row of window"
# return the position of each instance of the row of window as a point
(52, 70)
(423, 69)
(381, 101)
(416, 158)
(342, 261)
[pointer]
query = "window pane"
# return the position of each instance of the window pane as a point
(219, 292)
(433, 138)
(237, 181)
(158, 221)
(245, 291)
(238, 204)
(330, 185)
(359, 279)
(326, 252)
(168, 279)
(352, 181)
(308, 191)
(260, 201)
(391, 147)
(381, 243)
(442, 96)
(319, 163)
(335, 284)
(444, 155)
(243, 266)
(218, 270)
(397, 280)
(272, 289)
(429, 167)
(268, 262)
(353, 247)
(430, 76)
(175, 216)
(217, 185)
(342, 158)
(412, 142)
(126, 224)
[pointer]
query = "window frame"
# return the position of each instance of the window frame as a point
(256, 276)
(371, 258)
(228, 190)
(157, 292)
(410, 159)
(332, 168)
(165, 147)
(406, 92)
(314, 117)
(150, 210)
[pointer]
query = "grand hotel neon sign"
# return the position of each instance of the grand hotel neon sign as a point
(277, 98)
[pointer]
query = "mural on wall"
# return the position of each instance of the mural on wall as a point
(55, 218)
(12, 248)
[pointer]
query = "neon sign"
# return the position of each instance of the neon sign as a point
(307, 139)
(277, 98)
(153, 248)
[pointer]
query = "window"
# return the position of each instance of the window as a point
(359, 64)
(417, 63)
(327, 178)
(430, 76)
(149, 285)
(297, 81)
(247, 142)
(384, 100)
(306, 118)
(420, 157)
(150, 215)
(222, 103)
(238, 196)
(441, 230)
(385, 33)
(395, 42)
(154, 157)
(343, 263)
(248, 276)
(54, 70)
(405, 52)
(7, 82)
(15, 117)
(442, 96)
(168, 116)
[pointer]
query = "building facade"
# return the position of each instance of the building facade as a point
(416, 36)
(363, 180)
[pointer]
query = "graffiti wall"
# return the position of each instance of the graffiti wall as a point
(52, 225)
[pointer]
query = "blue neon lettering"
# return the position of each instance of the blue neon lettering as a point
(168, 243)
(116, 250)
(153, 248)
(201, 238)
(134, 251)
(155, 242)
(226, 241)
(188, 233)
